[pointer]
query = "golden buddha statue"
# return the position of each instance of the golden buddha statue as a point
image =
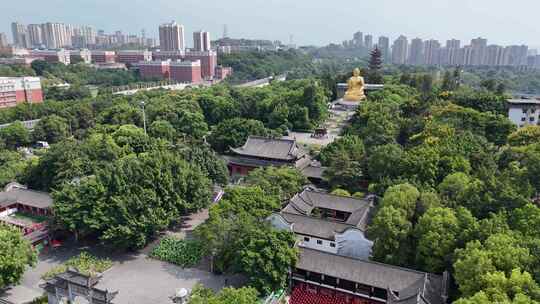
(355, 90)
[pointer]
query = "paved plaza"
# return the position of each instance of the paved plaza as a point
(334, 124)
(139, 279)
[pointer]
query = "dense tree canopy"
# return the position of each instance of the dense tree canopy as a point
(16, 254)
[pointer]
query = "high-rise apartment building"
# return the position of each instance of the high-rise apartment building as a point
(201, 41)
(20, 35)
(171, 37)
(358, 39)
(84, 36)
(494, 55)
(432, 52)
(453, 44)
(35, 34)
(384, 45)
(479, 46)
(516, 55)
(56, 35)
(368, 42)
(3, 40)
(416, 52)
(399, 50)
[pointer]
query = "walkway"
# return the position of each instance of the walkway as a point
(335, 123)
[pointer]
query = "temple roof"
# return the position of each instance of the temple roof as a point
(306, 225)
(270, 148)
(412, 286)
(304, 202)
(26, 197)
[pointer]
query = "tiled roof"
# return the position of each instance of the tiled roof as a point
(26, 197)
(271, 148)
(410, 284)
(304, 202)
(315, 227)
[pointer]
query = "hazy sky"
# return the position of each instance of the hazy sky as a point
(309, 21)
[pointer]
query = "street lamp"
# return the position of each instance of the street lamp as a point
(144, 116)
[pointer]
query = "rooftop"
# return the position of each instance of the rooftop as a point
(409, 284)
(18, 194)
(271, 148)
(523, 101)
(321, 228)
(306, 201)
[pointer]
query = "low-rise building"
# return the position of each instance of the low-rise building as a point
(156, 69)
(334, 264)
(208, 62)
(259, 152)
(80, 56)
(52, 56)
(185, 71)
(26, 209)
(16, 90)
(338, 279)
(26, 61)
(524, 112)
(223, 72)
(168, 55)
(326, 222)
(103, 56)
(133, 56)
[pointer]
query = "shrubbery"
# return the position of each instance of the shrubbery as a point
(85, 263)
(185, 253)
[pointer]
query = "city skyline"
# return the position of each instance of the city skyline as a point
(278, 19)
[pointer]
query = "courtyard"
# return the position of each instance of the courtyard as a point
(138, 278)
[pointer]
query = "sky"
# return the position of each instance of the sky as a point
(310, 22)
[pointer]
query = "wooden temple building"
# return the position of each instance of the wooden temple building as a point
(260, 152)
(334, 266)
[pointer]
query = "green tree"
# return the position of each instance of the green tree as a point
(349, 145)
(525, 136)
(128, 201)
(439, 232)
(391, 232)
(500, 252)
(234, 132)
(228, 295)
(386, 161)
(266, 256)
(51, 129)
(13, 166)
(15, 135)
(242, 210)
(16, 254)
(403, 197)
(518, 287)
(344, 173)
(162, 129)
(121, 114)
(283, 182)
